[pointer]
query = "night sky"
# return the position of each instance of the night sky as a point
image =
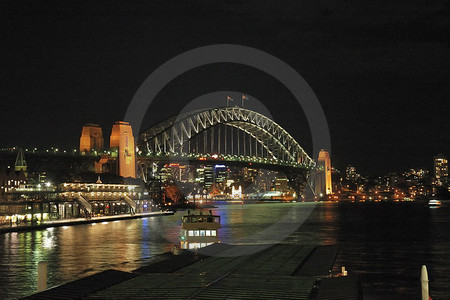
(379, 68)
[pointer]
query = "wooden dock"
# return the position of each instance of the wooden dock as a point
(220, 271)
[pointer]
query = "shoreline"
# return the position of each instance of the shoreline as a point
(81, 221)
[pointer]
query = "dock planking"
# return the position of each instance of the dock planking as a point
(209, 286)
(320, 262)
(340, 288)
(229, 272)
(83, 287)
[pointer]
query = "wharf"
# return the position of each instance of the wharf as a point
(79, 221)
(221, 271)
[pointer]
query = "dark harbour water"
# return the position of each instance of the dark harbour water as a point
(384, 243)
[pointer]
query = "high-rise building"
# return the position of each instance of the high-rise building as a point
(440, 169)
(323, 184)
(200, 176)
(208, 172)
(122, 145)
(205, 176)
(264, 180)
(220, 175)
(281, 184)
(91, 138)
(350, 173)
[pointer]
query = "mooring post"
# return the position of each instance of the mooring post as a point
(424, 283)
(42, 276)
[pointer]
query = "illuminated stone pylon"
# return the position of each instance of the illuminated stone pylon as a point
(323, 184)
(122, 145)
(91, 138)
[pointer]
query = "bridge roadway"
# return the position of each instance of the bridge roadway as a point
(42, 160)
(204, 160)
(58, 162)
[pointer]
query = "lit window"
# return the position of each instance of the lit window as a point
(196, 233)
(191, 232)
(213, 233)
(208, 232)
(194, 245)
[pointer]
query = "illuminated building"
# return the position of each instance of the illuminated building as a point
(281, 184)
(184, 174)
(200, 178)
(105, 199)
(390, 180)
(165, 174)
(122, 146)
(323, 184)
(249, 174)
(350, 173)
(72, 200)
(91, 138)
(264, 180)
(236, 193)
(208, 172)
(440, 169)
(220, 174)
(9, 181)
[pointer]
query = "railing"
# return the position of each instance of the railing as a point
(130, 202)
(86, 205)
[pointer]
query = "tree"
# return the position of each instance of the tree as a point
(174, 193)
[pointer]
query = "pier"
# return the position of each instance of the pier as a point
(281, 271)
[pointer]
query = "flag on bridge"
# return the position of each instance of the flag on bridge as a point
(244, 97)
(229, 99)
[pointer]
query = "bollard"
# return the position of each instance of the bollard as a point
(42, 276)
(424, 283)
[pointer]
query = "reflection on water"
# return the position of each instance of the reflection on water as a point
(76, 251)
(385, 244)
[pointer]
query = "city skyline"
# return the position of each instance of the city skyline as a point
(119, 159)
(430, 166)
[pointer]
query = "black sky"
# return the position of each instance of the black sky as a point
(380, 69)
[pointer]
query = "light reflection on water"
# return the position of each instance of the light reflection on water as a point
(383, 243)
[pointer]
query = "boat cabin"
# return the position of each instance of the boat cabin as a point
(199, 230)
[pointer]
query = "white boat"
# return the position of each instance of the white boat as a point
(199, 230)
(434, 202)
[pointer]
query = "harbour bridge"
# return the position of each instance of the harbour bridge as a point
(231, 136)
(228, 135)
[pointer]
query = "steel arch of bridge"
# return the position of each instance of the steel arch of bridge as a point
(171, 135)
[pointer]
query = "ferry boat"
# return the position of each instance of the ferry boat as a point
(199, 230)
(434, 202)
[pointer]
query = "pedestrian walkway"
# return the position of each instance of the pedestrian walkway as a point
(78, 221)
